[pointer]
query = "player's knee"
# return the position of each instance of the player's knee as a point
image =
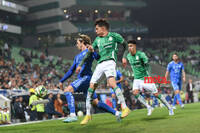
(155, 94)
(113, 95)
(68, 89)
(177, 91)
(135, 92)
(95, 102)
(92, 85)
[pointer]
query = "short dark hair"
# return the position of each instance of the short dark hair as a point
(132, 42)
(102, 22)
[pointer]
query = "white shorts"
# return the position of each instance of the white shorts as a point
(139, 85)
(107, 67)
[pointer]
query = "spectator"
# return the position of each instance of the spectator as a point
(58, 104)
(19, 109)
(189, 89)
(49, 108)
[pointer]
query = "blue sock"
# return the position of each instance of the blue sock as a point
(70, 101)
(179, 98)
(106, 107)
(174, 101)
(114, 103)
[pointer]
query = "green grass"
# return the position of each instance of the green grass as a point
(184, 121)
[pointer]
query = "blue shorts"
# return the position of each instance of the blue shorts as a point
(112, 91)
(177, 85)
(82, 84)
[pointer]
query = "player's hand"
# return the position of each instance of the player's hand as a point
(61, 86)
(90, 48)
(124, 62)
(78, 69)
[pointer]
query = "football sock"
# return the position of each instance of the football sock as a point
(70, 102)
(120, 97)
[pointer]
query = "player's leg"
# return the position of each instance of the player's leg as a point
(152, 88)
(93, 84)
(70, 101)
(177, 88)
(114, 103)
(110, 72)
(107, 108)
(137, 85)
(178, 95)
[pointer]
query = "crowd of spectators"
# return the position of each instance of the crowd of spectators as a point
(27, 74)
(161, 50)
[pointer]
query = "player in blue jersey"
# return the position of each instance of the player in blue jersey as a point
(176, 70)
(83, 80)
(119, 79)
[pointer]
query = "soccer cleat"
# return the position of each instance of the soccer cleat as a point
(70, 119)
(86, 119)
(125, 112)
(118, 116)
(182, 106)
(171, 111)
(150, 110)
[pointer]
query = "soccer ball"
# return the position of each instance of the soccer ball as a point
(80, 113)
(41, 91)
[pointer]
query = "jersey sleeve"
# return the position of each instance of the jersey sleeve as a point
(95, 55)
(169, 67)
(69, 72)
(118, 38)
(94, 44)
(145, 59)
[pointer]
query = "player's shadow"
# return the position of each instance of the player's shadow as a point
(154, 118)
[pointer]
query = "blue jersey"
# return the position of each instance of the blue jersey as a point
(118, 76)
(175, 70)
(86, 68)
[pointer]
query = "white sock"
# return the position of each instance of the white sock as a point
(72, 114)
(116, 113)
(120, 97)
(88, 103)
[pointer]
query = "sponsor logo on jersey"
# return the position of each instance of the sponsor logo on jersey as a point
(158, 79)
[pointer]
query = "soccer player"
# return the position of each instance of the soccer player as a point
(119, 79)
(83, 79)
(176, 70)
(106, 42)
(139, 64)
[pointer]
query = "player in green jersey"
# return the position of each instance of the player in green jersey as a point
(139, 64)
(106, 42)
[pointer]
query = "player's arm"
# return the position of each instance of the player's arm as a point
(145, 60)
(183, 73)
(167, 72)
(123, 42)
(121, 78)
(88, 54)
(68, 74)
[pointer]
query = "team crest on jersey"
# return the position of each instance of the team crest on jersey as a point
(137, 57)
(110, 38)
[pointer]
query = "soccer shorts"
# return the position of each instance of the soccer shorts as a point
(82, 84)
(139, 85)
(107, 67)
(177, 85)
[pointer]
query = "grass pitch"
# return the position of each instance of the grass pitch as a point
(185, 120)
